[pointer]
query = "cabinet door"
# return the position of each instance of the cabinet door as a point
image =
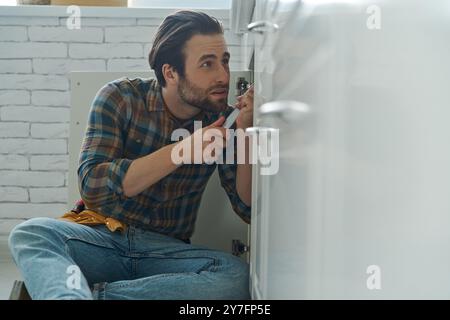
(363, 174)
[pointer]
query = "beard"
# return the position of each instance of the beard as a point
(190, 94)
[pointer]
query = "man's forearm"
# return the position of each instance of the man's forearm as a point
(146, 171)
(244, 183)
(244, 177)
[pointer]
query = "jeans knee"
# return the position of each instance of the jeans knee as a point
(236, 266)
(26, 231)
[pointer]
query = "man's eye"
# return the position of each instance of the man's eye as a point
(206, 64)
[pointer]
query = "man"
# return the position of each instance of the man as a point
(132, 240)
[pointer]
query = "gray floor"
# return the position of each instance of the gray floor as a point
(8, 271)
(8, 274)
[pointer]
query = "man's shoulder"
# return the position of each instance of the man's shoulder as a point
(135, 85)
(126, 95)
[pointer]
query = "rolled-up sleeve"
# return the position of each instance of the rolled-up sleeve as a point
(227, 173)
(102, 167)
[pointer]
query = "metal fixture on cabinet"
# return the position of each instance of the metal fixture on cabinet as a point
(238, 247)
(262, 26)
(288, 110)
(256, 130)
(241, 86)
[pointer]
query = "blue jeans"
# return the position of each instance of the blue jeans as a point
(64, 260)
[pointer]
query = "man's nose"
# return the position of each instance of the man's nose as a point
(224, 75)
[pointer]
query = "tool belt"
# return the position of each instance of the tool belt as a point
(79, 214)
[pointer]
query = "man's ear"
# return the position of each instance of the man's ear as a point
(170, 74)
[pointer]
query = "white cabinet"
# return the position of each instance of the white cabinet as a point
(361, 195)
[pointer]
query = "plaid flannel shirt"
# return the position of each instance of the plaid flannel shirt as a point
(128, 120)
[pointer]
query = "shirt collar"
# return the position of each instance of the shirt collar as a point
(155, 102)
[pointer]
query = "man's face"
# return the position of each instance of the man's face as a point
(207, 74)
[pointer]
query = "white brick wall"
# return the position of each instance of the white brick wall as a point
(14, 97)
(6, 225)
(106, 50)
(31, 210)
(33, 81)
(13, 34)
(36, 56)
(62, 34)
(129, 34)
(33, 50)
(31, 178)
(50, 98)
(14, 129)
(13, 194)
(64, 66)
(102, 22)
(14, 162)
(128, 64)
(29, 21)
(48, 195)
(149, 21)
(34, 114)
(50, 130)
(52, 163)
(33, 146)
(15, 66)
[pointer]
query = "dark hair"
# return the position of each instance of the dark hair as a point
(172, 35)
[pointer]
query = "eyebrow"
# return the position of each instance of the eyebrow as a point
(213, 56)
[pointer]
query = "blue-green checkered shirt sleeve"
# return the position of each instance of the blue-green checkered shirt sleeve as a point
(102, 166)
(228, 176)
(227, 173)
